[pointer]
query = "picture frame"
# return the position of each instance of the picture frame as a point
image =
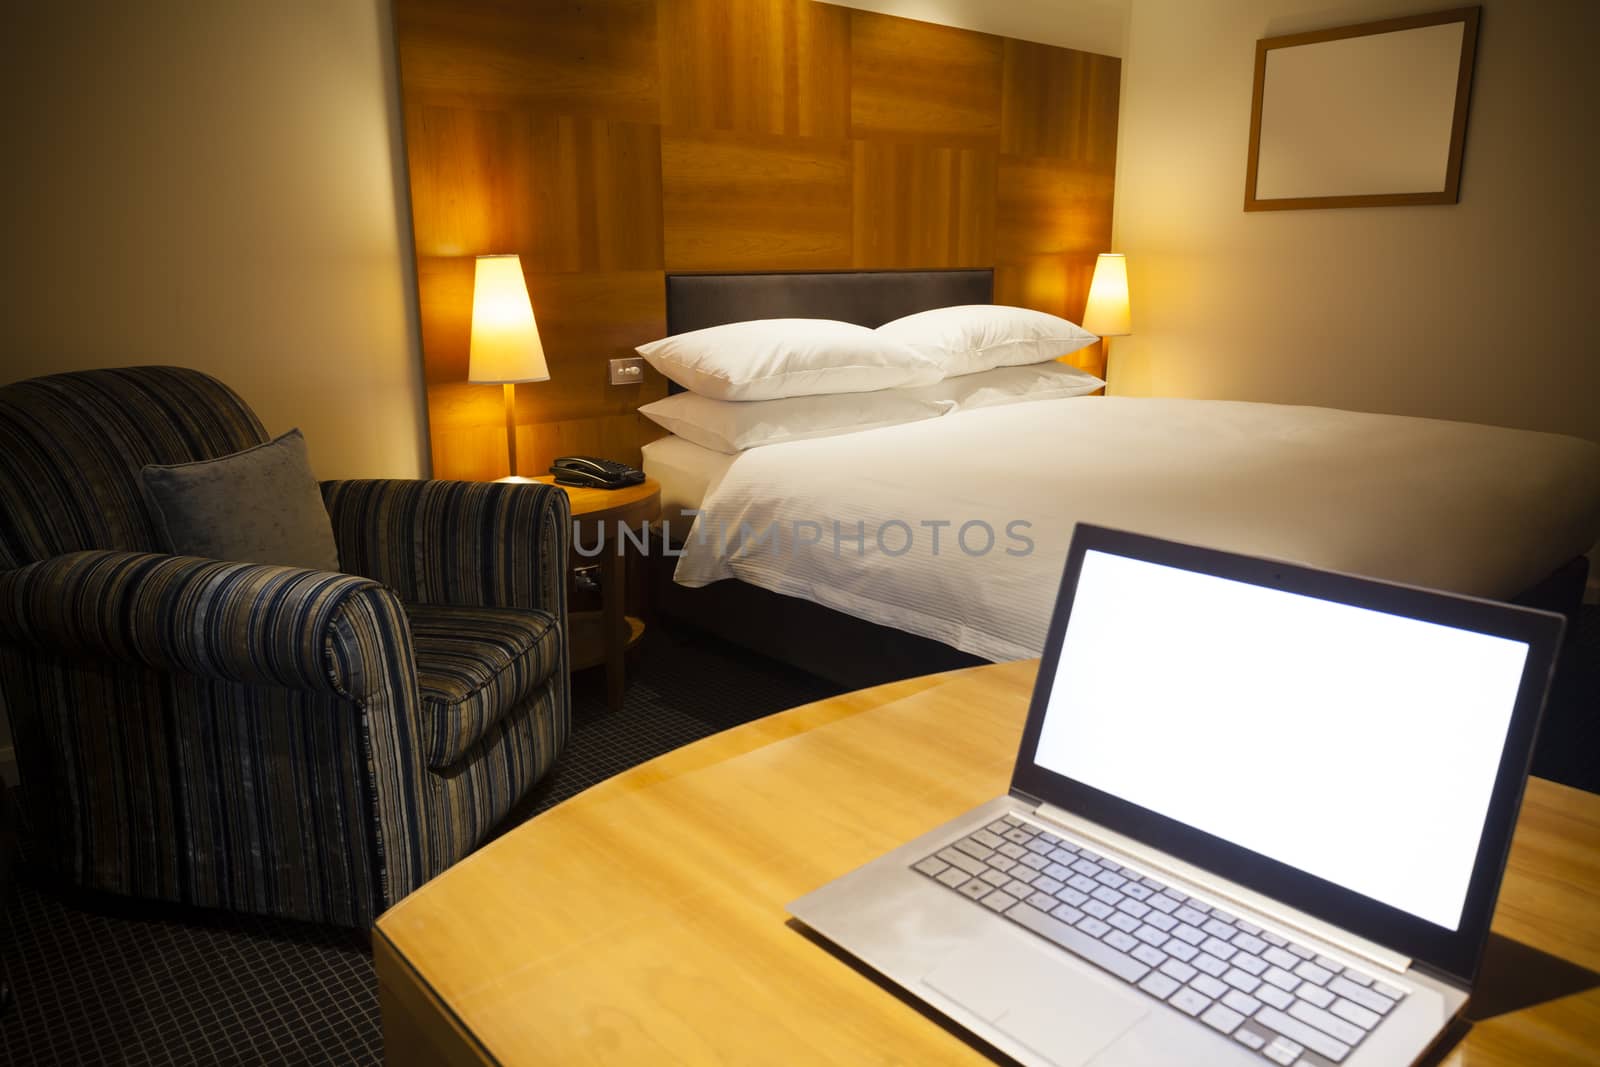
(1369, 115)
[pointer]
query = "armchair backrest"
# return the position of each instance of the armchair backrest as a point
(71, 446)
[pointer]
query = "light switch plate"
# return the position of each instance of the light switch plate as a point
(628, 371)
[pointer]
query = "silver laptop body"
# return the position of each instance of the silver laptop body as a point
(1259, 814)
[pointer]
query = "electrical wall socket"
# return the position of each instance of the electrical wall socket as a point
(628, 371)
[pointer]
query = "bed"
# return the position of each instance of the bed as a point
(851, 521)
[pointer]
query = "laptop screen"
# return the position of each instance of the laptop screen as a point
(1354, 745)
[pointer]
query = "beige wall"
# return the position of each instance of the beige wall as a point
(214, 183)
(1482, 311)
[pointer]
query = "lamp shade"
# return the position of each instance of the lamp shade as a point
(505, 339)
(1107, 311)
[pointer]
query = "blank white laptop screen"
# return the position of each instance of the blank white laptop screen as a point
(1357, 746)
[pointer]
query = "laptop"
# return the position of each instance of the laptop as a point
(1259, 814)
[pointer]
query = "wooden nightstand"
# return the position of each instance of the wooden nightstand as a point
(603, 637)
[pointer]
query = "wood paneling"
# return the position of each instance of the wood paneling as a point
(612, 436)
(597, 187)
(469, 167)
(1051, 205)
(464, 443)
(919, 80)
(476, 450)
(921, 205)
(564, 57)
(585, 319)
(753, 203)
(755, 66)
(1060, 103)
(607, 141)
(444, 296)
(565, 193)
(1058, 284)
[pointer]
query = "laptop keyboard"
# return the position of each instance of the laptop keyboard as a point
(1269, 994)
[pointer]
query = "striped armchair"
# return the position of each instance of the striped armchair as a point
(259, 738)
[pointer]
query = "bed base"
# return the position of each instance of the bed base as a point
(840, 648)
(854, 653)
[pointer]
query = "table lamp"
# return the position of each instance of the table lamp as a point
(505, 340)
(1107, 311)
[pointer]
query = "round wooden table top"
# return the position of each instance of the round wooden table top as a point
(644, 497)
(643, 920)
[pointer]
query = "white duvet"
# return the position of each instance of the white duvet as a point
(872, 523)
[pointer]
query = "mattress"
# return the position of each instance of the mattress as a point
(956, 528)
(687, 472)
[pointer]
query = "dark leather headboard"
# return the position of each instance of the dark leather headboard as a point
(867, 298)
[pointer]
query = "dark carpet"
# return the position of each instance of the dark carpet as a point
(107, 981)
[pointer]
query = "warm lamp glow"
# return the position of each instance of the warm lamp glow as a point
(505, 339)
(1107, 312)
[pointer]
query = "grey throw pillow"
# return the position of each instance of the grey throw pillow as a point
(261, 505)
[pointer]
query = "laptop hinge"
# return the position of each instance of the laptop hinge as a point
(1227, 892)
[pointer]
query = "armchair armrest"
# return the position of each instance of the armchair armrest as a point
(473, 544)
(241, 622)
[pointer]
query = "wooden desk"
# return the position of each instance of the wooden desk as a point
(643, 922)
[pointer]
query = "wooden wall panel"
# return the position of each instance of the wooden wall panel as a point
(466, 447)
(564, 57)
(597, 187)
(612, 436)
(1058, 284)
(469, 167)
(473, 445)
(444, 298)
(1050, 205)
(755, 203)
(1060, 103)
(915, 79)
(607, 141)
(585, 319)
(755, 66)
(566, 193)
(919, 205)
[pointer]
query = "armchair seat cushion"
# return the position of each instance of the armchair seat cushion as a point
(474, 665)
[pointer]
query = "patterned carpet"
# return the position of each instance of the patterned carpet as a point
(104, 981)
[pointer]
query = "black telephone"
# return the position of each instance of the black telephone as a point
(593, 473)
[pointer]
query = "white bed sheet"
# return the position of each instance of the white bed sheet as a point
(687, 472)
(1474, 509)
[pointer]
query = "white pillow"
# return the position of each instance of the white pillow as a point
(732, 427)
(1010, 385)
(766, 359)
(980, 337)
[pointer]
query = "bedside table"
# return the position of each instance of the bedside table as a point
(604, 636)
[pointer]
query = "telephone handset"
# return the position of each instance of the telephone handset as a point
(593, 473)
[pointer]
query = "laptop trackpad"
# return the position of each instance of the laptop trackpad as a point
(1063, 1016)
